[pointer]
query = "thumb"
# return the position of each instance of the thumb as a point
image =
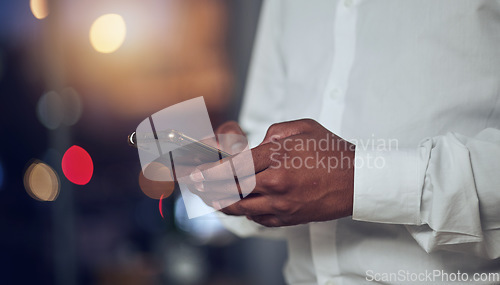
(229, 127)
(231, 138)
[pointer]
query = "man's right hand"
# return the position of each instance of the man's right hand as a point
(230, 139)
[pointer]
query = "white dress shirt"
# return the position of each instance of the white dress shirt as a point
(424, 74)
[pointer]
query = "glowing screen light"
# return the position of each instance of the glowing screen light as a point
(107, 33)
(41, 182)
(77, 165)
(39, 8)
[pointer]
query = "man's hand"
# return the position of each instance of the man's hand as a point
(304, 173)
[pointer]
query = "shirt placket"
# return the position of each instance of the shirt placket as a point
(323, 235)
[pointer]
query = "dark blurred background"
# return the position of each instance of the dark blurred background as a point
(62, 85)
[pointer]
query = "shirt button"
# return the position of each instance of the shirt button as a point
(334, 93)
(348, 3)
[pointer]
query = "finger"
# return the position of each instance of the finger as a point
(220, 170)
(232, 143)
(219, 202)
(219, 190)
(267, 220)
(222, 203)
(256, 205)
(246, 163)
(286, 129)
(210, 199)
(220, 194)
(230, 127)
(182, 173)
(228, 187)
(211, 193)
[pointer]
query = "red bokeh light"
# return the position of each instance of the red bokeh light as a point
(161, 206)
(77, 165)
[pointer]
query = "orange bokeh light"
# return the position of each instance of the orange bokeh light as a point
(159, 183)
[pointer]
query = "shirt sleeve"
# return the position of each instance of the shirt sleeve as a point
(264, 92)
(446, 191)
(262, 102)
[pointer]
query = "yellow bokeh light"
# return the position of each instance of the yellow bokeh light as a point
(41, 182)
(39, 8)
(107, 33)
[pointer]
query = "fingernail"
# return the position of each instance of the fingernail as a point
(216, 205)
(196, 176)
(199, 186)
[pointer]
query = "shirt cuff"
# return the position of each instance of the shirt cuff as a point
(386, 186)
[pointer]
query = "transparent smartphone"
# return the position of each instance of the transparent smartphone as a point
(185, 145)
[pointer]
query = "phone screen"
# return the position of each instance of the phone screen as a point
(185, 146)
